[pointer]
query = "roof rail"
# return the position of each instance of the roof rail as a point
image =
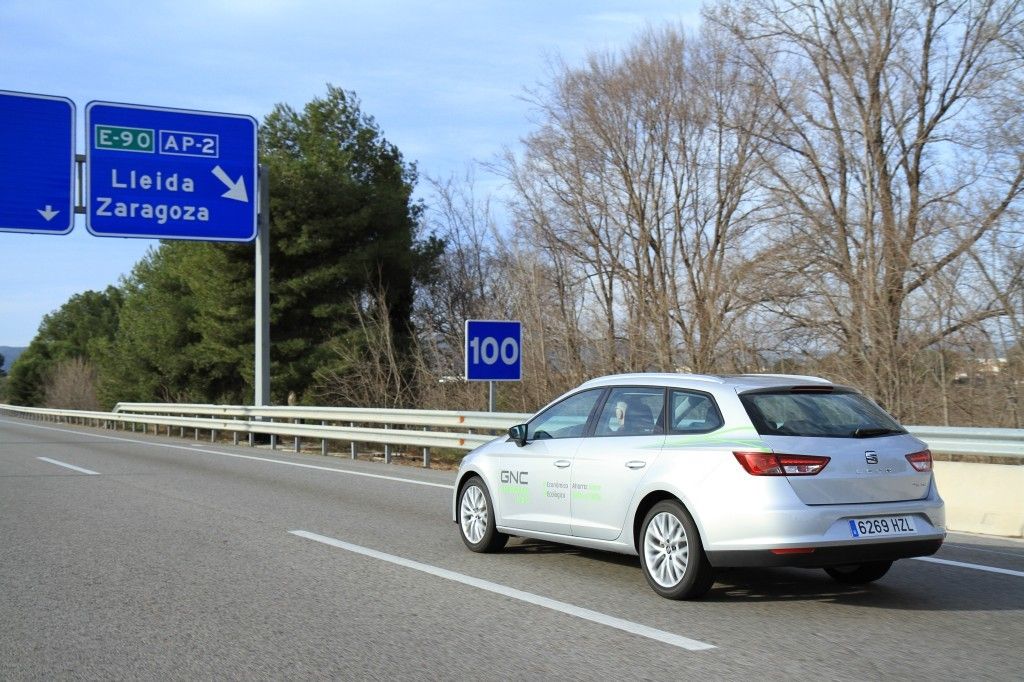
(802, 377)
(646, 376)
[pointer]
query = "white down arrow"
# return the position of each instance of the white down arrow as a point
(48, 213)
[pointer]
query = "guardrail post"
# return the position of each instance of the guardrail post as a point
(426, 455)
(234, 435)
(323, 442)
(252, 439)
(298, 445)
(213, 435)
(387, 450)
(353, 445)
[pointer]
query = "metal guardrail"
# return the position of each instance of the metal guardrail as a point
(434, 428)
(963, 440)
(289, 422)
(499, 421)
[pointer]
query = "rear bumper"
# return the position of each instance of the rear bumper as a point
(833, 555)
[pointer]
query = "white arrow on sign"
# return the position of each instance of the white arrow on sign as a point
(48, 213)
(236, 190)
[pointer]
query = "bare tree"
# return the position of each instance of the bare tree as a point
(896, 147)
(468, 279)
(369, 370)
(72, 386)
(639, 189)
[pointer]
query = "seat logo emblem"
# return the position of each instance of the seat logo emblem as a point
(871, 457)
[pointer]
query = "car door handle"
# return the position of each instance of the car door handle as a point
(636, 464)
(562, 463)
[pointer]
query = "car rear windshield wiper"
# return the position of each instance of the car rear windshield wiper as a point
(867, 433)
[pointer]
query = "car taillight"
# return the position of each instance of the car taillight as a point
(776, 464)
(921, 461)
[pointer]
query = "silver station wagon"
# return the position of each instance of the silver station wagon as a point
(694, 473)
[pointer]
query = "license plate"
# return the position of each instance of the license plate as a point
(878, 526)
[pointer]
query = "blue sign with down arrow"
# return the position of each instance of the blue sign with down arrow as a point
(170, 174)
(37, 161)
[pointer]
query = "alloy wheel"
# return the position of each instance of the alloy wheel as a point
(473, 514)
(666, 549)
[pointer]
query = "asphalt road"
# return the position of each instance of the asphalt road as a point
(178, 560)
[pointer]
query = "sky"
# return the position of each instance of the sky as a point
(444, 80)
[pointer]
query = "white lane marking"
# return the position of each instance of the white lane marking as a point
(529, 597)
(975, 548)
(69, 466)
(971, 536)
(237, 456)
(976, 567)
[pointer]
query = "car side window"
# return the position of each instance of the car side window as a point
(632, 411)
(567, 419)
(691, 412)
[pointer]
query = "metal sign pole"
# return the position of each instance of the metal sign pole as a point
(490, 396)
(261, 383)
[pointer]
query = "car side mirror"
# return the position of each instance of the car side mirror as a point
(518, 434)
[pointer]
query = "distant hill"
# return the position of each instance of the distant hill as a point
(10, 354)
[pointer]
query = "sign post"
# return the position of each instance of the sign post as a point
(37, 163)
(163, 173)
(493, 353)
(261, 386)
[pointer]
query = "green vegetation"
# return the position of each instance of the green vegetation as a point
(344, 229)
(82, 328)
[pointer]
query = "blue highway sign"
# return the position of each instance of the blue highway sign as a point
(494, 350)
(170, 174)
(37, 163)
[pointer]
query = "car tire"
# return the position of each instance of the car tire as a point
(476, 518)
(859, 574)
(671, 553)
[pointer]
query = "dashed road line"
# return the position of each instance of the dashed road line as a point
(975, 548)
(69, 466)
(976, 567)
(513, 593)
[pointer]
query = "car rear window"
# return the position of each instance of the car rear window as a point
(817, 413)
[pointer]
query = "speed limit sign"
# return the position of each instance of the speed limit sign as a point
(494, 350)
